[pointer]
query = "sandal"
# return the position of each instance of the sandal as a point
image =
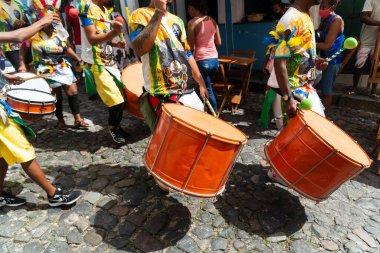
(81, 124)
(351, 93)
(374, 96)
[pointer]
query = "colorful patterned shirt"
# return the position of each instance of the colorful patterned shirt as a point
(100, 54)
(48, 49)
(9, 13)
(166, 67)
(298, 47)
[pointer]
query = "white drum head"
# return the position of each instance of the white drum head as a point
(31, 95)
(34, 84)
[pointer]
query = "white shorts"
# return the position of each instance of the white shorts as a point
(362, 55)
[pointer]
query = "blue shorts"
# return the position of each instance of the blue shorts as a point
(328, 79)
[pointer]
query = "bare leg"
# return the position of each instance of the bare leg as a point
(3, 172)
(374, 88)
(33, 169)
(357, 75)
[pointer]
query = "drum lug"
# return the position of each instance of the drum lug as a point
(43, 108)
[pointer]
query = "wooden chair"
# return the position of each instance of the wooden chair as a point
(238, 74)
(374, 77)
(221, 85)
(347, 57)
(377, 146)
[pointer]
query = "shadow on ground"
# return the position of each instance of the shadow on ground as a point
(254, 204)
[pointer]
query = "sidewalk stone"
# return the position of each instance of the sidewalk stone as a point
(57, 247)
(218, 243)
(187, 244)
(203, 231)
(33, 247)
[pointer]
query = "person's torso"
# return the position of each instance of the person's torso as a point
(369, 33)
(9, 13)
(166, 68)
(99, 54)
(301, 65)
(205, 41)
(48, 49)
(338, 43)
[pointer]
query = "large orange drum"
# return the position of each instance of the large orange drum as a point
(133, 80)
(193, 152)
(314, 157)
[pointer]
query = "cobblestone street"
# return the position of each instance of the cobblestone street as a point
(123, 210)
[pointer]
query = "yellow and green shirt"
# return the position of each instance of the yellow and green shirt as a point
(166, 67)
(298, 45)
(100, 54)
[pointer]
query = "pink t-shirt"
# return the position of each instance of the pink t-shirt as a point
(204, 41)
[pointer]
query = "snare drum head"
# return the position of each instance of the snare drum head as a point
(133, 79)
(34, 84)
(31, 95)
(205, 122)
(335, 137)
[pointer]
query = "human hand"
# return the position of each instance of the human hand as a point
(121, 44)
(160, 4)
(291, 107)
(13, 79)
(116, 26)
(321, 64)
(49, 19)
(22, 68)
(203, 92)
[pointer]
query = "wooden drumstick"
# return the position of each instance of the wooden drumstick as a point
(37, 76)
(210, 107)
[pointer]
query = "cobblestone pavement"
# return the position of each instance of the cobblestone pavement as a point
(123, 210)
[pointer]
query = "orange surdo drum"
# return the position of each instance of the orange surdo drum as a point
(133, 80)
(193, 152)
(314, 157)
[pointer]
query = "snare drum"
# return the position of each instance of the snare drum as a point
(133, 80)
(31, 99)
(193, 152)
(314, 157)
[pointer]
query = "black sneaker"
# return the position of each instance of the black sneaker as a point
(7, 199)
(64, 197)
(117, 135)
(123, 133)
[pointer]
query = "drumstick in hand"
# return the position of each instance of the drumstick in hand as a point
(74, 13)
(37, 76)
(210, 107)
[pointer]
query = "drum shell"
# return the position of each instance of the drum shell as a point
(184, 146)
(133, 80)
(30, 110)
(307, 163)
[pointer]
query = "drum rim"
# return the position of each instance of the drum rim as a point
(205, 133)
(32, 101)
(364, 166)
(33, 113)
(181, 190)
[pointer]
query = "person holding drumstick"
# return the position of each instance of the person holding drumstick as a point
(14, 147)
(102, 74)
(49, 48)
(169, 68)
(295, 60)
